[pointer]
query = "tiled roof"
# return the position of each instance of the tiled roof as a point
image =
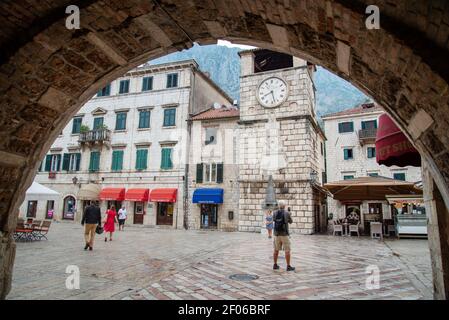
(212, 113)
(361, 109)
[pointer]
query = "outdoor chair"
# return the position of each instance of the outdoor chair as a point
(338, 228)
(376, 230)
(391, 228)
(354, 228)
(23, 233)
(41, 231)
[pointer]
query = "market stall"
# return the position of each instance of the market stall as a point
(409, 215)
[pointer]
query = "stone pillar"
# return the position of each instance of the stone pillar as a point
(438, 231)
(7, 255)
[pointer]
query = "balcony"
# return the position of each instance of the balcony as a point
(367, 135)
(95, 137)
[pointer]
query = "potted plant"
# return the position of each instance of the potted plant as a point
(84, 128)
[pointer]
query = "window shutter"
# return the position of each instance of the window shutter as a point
(144, 159)
(58, 162)
(219, 172)
(78, 161)
(363, 125)
(199, 173)
(48, 163)
(119, 160)
(66, 162)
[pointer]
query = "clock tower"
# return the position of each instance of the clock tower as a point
(279, 137)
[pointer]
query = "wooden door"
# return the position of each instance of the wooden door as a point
(164, 213)
(138, 212)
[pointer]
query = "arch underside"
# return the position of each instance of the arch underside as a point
(47, 72)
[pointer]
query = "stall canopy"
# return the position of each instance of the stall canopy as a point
(163, 195)
(209, 195)
(115, 194)
(89, 192)
(36, 190)
(370, 188)
(137, 195)
(393, 147)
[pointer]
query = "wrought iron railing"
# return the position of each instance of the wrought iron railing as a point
(92, 136)
(368, 133)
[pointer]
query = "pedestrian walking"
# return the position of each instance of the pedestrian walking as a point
(269, 223)
(281, 235)
(122, 215)
(90, 220)
(109, 222)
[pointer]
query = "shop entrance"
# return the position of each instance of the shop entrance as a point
(138, 212)
(117, 204)
(164, 213)
(68, 212)
(209, 216)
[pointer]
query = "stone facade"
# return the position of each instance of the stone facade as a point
(47, 72)
(193, 93)
(284, 142)
(224, 150)
(361, 164)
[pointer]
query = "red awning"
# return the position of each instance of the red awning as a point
(163, 195)
(117, 194)
(392, 146)
(137, 194)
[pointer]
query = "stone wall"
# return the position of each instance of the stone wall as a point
(47, 72)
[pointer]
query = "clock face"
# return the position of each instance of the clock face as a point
(272, 92)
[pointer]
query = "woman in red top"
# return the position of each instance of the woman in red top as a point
(109, 223)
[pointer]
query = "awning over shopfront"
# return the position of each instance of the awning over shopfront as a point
(208, 195)
(137, 195)
(370, 188)
(393, 147)
(115, 194)
(89, 191)
(163, 195)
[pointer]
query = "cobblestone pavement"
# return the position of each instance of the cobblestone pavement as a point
(148, 263)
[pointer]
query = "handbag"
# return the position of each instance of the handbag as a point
(99, 229)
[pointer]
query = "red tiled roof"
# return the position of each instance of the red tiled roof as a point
(361, 109)
(212, 113)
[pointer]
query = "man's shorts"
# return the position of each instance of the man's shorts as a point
(282, 243)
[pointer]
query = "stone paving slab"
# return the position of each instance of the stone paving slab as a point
(149, 264)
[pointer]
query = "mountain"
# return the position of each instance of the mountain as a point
(223, 64)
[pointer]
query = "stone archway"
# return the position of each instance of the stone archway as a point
(48, 72)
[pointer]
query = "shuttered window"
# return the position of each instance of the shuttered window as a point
(120, 121)
(399, 176)
(147, 83)
(117, 160)
(371, 124)
(346, 127)
(172, 80)
(76, 126)
(166, 161)
(124, 86)
(141, 159)
(104, 92)
(144, 119)
(98, 122)
(94, 164)
(371, 152)
(219, 172)
(169, 117)
(348, 154)
(199, 173)
(71, 161)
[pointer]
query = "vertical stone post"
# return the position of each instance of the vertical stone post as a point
(438, 233)
(7, 254)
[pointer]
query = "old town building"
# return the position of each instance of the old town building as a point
(130, 143)
(351, 153)
(214, 186)
(279, 137)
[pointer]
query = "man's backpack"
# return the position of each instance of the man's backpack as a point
(279, 221)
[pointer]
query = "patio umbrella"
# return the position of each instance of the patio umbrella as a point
(370, 188)
(392, 146)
